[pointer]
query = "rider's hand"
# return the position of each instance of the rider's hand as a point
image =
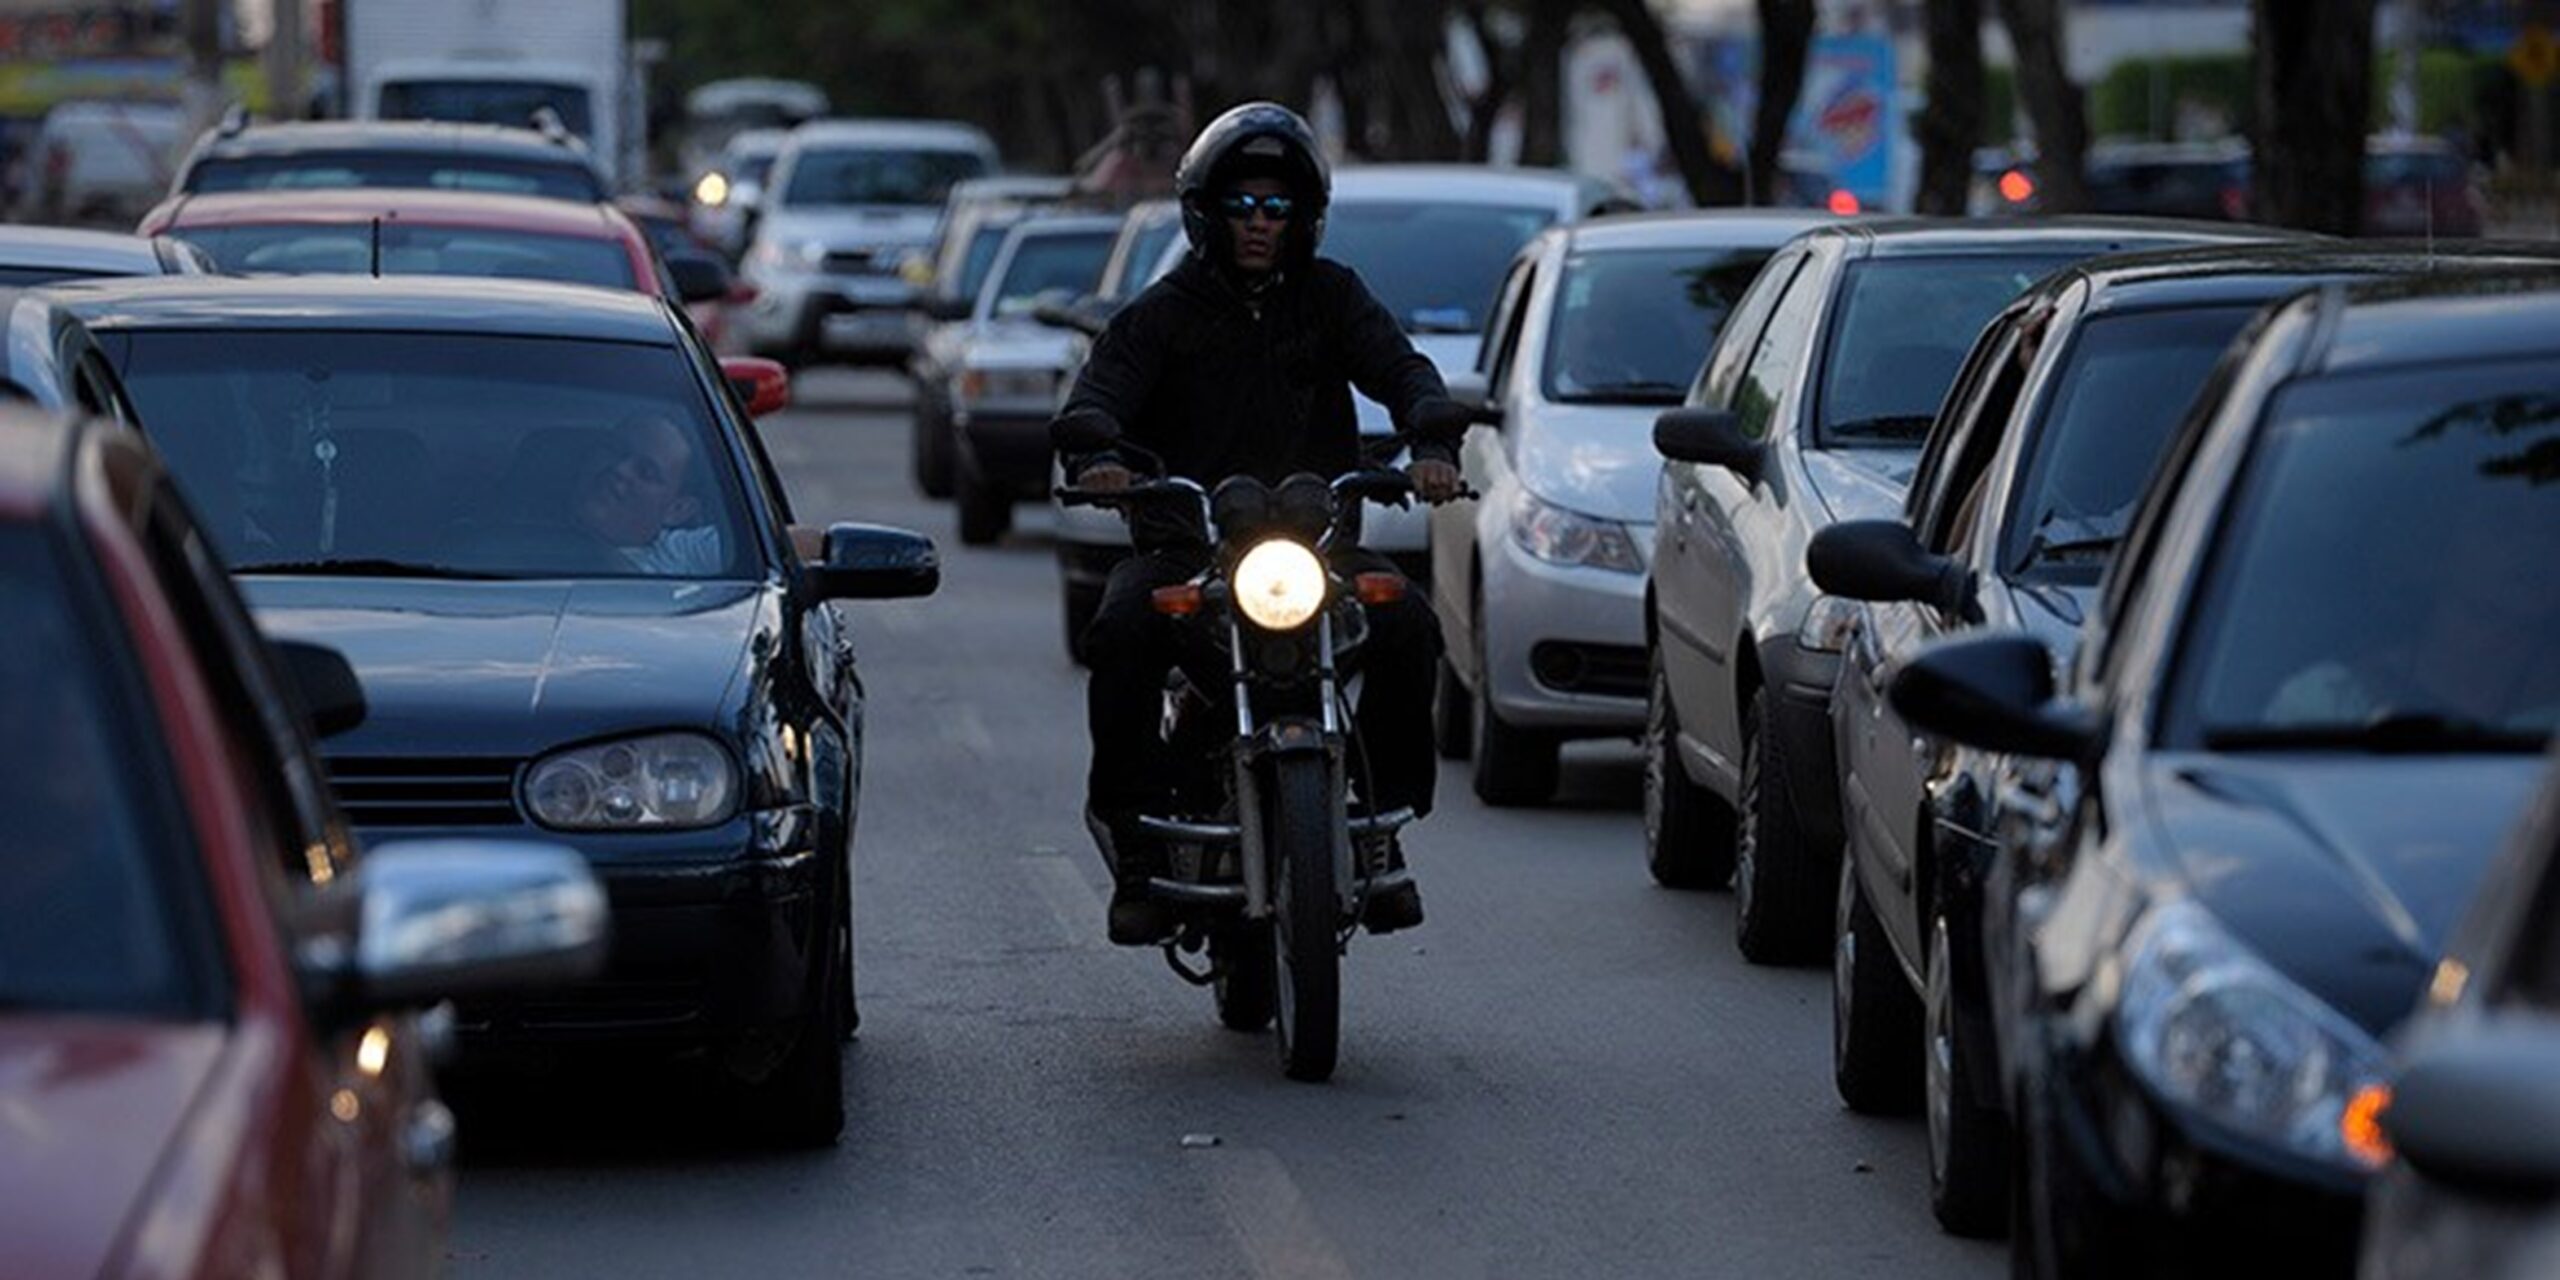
(1105, 477)
(1434, 480)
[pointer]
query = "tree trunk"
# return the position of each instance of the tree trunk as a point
(1710, 181)
(1542, 82)
(1952, 125)
(2313, 64)
(1499, 71)
(1786, 36)
(1409, 81)
(2053, 101)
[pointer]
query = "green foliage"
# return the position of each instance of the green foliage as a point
(1999, 106)
(2143, 97)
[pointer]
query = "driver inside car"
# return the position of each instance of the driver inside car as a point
(1241, 362)
(637, 497)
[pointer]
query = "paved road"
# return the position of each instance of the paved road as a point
(1566, 1072)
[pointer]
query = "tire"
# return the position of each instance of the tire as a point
(1968, 1142)
(802, 1103)
(985, 513)
(933, 462)
(1247, 986)
(1079, 603)
(1514, 768)
(1305, 917)
(1779, 894)
(1452, 714)
(1688, 830)
(2055, 1233)
(1875, 1020)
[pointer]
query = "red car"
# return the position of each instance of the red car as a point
(211, 1058)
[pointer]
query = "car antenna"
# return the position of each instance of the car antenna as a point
(377, 248)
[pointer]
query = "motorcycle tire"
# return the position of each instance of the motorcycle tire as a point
(1248, 980)
(1305, 916)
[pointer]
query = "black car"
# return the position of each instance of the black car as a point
(537, 520)
(2025, 484)
(1811, 408)
(238, 156)
(2472, 1114)
(2305, 707)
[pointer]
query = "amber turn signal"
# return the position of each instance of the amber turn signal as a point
(1178, 601)
(1378, 588)
(2360, 1126)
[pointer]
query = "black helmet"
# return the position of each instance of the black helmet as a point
(1258, 139)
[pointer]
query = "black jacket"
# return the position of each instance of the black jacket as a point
(1219, 387)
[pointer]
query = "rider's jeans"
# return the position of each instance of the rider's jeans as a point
(1131, 647)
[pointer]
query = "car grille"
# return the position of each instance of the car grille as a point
(1606, 670)
(443, 791)
(852, 262)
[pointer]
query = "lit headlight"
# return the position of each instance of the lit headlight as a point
(1279, 584)
(712, 190)
(1007, 386)
(1829, 624)
(662, 782)
(2212, 1028)
(774, 256)
(1558, 536)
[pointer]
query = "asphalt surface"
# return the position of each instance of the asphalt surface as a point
(1565, 1072)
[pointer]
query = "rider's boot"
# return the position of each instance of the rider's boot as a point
(1396, 907)
(1137, 917)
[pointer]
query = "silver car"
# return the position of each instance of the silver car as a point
(1540, 585)
(1009, 369)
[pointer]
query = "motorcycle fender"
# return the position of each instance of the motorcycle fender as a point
(1291, 738)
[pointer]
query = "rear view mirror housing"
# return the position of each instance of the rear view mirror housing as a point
(764, 385)
(874, 562)
(1707, 437)
(1882, 561)
(1087, 315)
(699, 277)
(1995, 692)
(326, 684)
(446, 919)
(2480, 1111)
(1472, 392)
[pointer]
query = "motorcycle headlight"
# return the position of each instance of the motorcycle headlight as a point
(660, 782)
(1558, 536)
(1279, 584)
(2213, 1029)
(1829, 624)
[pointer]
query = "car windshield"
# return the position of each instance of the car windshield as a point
(1632, 326)
(1146, 247)
(2386, 575)
(983, 246)
(2120, 392)
(86, 920)
(2414, 168)
(1066, 261)
(508, 102)
(1902, 330)
(754, 168)
(1433, 263)
(877, 175)
(564, 179)
(414, 249)
(429, 454)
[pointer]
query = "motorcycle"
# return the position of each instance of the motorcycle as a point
(1269, 865)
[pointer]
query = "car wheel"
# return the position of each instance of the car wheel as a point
(802, 1103)
(1080, 602)
(1452, 724)
(1778, 894)
(933, 461)
(2056, 1231)
(1688, 830)
(1513, 767)
(985, 512)
(1968, 1142)
(1875, 1020)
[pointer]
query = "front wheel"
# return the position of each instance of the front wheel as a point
(933, 448)
(1968, 1142)
(1305, 916)
(985, 511)
(1875, 1021)
(1688, 830)
(1778, 891)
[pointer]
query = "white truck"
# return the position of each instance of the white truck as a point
(498, 62)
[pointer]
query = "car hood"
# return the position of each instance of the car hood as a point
(88, 1108)
(1860, 484)
(514, 668)
(1448, 352)
(1594, 459)
(1015, 344)
(853, 226)
(2347, 872)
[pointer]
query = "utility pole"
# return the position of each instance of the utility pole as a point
(288, 87)
(201, 23)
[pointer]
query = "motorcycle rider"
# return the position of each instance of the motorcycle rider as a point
(1241, 361)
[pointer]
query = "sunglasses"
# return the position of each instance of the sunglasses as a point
(1241, 204)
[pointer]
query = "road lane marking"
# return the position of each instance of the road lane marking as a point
(1269, 1219)
(1071, 898)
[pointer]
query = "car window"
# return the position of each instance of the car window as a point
(2113, 405)
(1904, 327)
(1145, 244)
(1433, 263)
(1502, 344)
(1982, 416)
(1740, 335)
(508, 102)
(983, 244)
(837, 176)
(1780, 352)
(414, 249)
(93, 915)
(432, 453)
(1068, 262)
(564, 179)
(1631, 326)
(2388, 558)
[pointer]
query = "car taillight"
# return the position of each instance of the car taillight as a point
(2016, 187)
(1844, 203)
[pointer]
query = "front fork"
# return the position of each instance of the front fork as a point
(1257, 743)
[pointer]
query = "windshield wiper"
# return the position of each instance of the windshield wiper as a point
(366, 567)
(1628, 393)
(2389, 732)
(1898, 426)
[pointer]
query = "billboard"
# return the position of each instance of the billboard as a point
(1846, 121)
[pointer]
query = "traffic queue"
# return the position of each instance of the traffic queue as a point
(2123, 648)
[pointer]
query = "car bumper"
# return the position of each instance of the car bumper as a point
(868, 319)
(1563, 646)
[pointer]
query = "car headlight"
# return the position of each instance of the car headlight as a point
(1829, 624)
(2213, 1029)
(1006, 386)
(803, 255)
(660, 782)
(1279, 584)
(713, 190)
(1558, 536)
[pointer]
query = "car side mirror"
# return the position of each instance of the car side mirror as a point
(1474, 393)
(699, 277)
(445, 919)
(763, 384)
(1994, 692)
(1882, 561)
(1708, 437)
(325, 682)
(2480, 1110)
(1086, 315)
(874, 562)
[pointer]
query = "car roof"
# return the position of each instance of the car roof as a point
(2435, 320)
(1464, 183)
(755, 142)
(1045, 223)
(2263, 272)
(301, 137)
(1741, 228)
(407, 304)
(1894, 237)
(929, 135)
(76, 249)
(360, 204)
(1011, 186)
